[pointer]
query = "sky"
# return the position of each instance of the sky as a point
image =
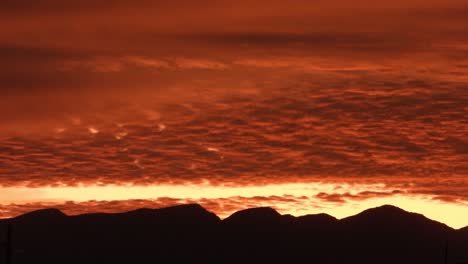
(308, 107)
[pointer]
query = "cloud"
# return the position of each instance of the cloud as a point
(119, 64)
(364, 124)
(186, 63)
(346, 197)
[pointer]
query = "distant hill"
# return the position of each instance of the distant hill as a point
(191, 234)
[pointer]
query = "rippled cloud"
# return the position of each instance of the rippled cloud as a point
(366, 123)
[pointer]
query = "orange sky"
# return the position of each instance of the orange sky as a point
(234, 95)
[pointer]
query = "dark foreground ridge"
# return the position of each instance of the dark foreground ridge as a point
(191, 234)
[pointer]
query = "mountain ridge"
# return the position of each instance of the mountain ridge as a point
(190, 233)
(54, 213)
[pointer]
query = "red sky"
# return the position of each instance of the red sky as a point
(356, 102)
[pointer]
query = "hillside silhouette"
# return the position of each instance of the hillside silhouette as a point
(191, 234)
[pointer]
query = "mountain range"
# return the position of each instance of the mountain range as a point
(191, 234)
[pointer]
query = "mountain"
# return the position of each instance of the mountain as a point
(254, 217)
(464, 230)
(189, 233)
(41, 216)
(391, 222)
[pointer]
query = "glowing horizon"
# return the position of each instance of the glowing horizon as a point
(296, 199)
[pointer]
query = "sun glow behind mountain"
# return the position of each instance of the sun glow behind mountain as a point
(339, 200)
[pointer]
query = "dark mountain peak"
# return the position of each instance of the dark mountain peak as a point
(175, 210)
(317, 218)
(318, 222)
(188, 213)
(187, 208)
(184, 209)
(387, 208)
(182, 214)
(385, 212)
(321, 216)
(389, 216)
(50, 214)
(260, 215)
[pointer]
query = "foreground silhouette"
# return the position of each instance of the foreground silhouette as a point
(190, 234)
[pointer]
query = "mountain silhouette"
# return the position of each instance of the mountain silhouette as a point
(254, 216)
(41, 216)
(389, 220)
(189, 233)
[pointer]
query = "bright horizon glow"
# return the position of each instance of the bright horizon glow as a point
(302, 198)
